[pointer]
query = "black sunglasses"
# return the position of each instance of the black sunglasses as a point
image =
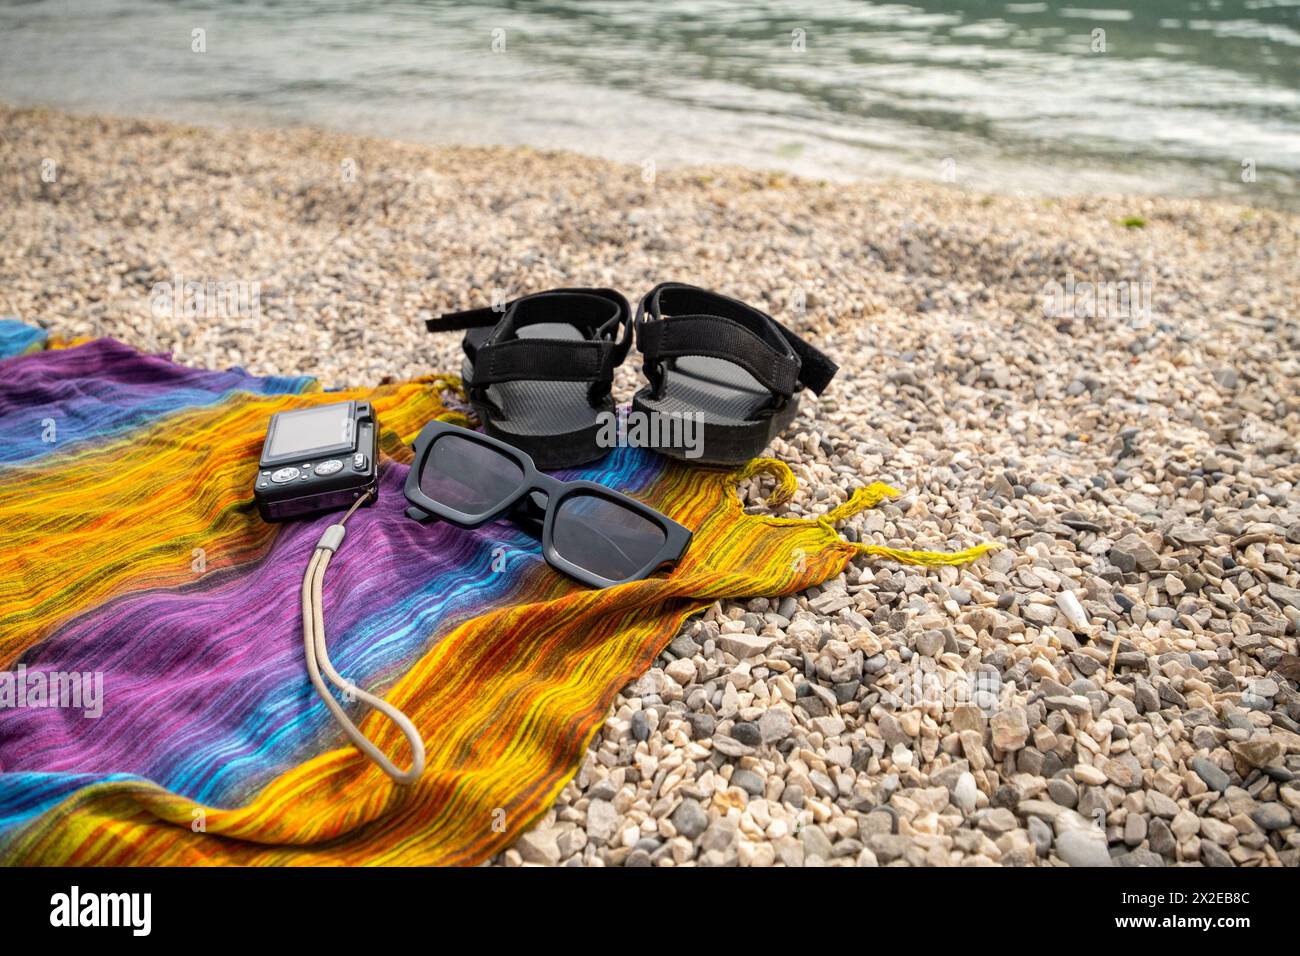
(589, 532)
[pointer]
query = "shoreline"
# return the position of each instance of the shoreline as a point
(265, 124)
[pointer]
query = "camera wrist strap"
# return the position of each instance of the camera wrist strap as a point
(313, 631)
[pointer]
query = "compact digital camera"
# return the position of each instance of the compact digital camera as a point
(318, 459)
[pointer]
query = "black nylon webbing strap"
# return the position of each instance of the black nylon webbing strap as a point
(502, 356)
(816, 369)
(469, 319)
(720, 338)
(721, 327)
(601, 310)
(556, 360)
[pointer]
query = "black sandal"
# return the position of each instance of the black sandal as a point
(539, 373)
(734, 367)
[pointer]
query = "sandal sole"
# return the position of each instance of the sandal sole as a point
(727, 397)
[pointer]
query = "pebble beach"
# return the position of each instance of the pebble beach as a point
(1106, 386)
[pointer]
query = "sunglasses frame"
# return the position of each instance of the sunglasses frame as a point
(676, 537)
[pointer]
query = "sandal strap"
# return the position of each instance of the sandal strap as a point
(502, 356)
(719, 338)
(717, 326)
(556, 360)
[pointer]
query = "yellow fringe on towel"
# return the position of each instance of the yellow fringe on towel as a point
(861, 499)
(927, 558)
(786, 484)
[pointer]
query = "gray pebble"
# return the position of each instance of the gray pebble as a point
(1083, 847)
(747, 733)
(748, 781)
(1041, 835)
(1063, 791)
(1272, 816)
(815, 842)
(690, 819)
(1211, 773)
(641, 725)
(702, 726)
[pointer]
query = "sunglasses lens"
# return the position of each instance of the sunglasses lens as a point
(605, 537)
(468, 476)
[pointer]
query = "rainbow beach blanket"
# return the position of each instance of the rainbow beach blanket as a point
(134, 569)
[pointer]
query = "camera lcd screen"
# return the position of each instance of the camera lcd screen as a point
(312, 428)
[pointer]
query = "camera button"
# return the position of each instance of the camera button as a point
(284, 474)
(359, 462)
(329, 467)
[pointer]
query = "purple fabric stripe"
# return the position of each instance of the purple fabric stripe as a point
(205, 687)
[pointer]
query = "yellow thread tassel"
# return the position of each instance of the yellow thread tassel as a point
(786, 484)
(872, 495)
(861, 499)
(927, 558)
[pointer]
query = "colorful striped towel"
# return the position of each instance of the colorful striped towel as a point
(132, 555)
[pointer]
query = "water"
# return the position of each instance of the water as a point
(1186, 97)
